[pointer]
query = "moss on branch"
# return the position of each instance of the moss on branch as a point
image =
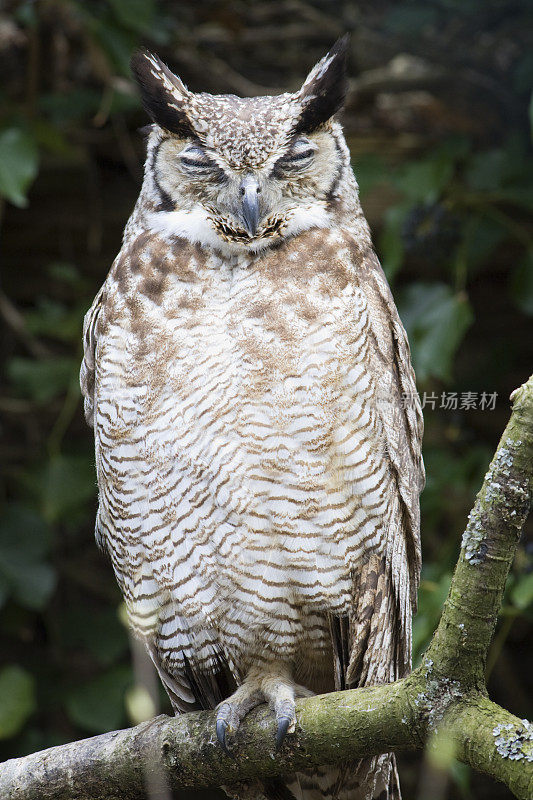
(331, 728)
(494, 741)
(447, 691)
(460, 645)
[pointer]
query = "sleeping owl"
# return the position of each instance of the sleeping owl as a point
(244, 369)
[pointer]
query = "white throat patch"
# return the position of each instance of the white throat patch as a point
(195, 226)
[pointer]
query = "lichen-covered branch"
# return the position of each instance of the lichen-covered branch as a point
(494, 741)
(459, 647)
(445, 694)
(332, 728)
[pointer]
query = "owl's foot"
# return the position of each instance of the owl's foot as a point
(232, 711)
(280, 694)
(286, 719)
(276, 690)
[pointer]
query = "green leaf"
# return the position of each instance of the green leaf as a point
(22, 529)
(106, 637)
(517, 196)
(481, 236)
(98, 705)
(370, 170)
(17, 699)
(423, 181)
(32, 583)
(391, 246)
(48, 137)
(134, 14)
(506, 170)
(453, 479)
(487, 170)
(522, 284)
(431, 599)
(54, 320)
(63, 485)
(24, 541)
(71, 106)
(522, 593)
(436, 320)
(43, 380)
(67, 273)
(19, 164)
(4, 589)
(455, 147)
(114, 41)
(523, 73)
(26, 14)
(410, 20)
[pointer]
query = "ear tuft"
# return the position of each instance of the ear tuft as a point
(324, 90)
(164, 96)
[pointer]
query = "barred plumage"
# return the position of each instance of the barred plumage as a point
(258, 475)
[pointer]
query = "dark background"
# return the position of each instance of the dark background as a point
(439, 123)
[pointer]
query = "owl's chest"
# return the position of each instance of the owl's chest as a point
(247, 332)
(246, 397)
(241, 363)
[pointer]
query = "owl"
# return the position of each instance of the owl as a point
(245, 371)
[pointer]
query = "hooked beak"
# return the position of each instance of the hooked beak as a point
(250, 190)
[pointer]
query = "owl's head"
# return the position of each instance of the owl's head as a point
(244, 171)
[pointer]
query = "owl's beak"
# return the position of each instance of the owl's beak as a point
(250, 191)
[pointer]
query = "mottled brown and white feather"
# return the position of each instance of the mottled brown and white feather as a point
(258, 471)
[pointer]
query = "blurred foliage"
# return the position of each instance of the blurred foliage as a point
(445, 169)
(19, 164)
(18, 699)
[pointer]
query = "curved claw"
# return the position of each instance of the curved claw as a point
(221, 728)
(284, 724)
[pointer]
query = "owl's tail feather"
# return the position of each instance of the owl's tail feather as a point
(274, 789)
(369, 779)
(371, 646)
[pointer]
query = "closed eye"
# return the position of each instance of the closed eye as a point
(299, 155)
(195, 162)
(194, 159)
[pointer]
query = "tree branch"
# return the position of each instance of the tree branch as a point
(460, 645)
(111, 765)
(446, 694)
(495, 742)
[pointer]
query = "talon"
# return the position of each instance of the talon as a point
(284, 724)
(221, 729)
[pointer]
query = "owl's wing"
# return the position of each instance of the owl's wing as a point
(186, 687)
(400, 409)
(90, 337)
(373, 644)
